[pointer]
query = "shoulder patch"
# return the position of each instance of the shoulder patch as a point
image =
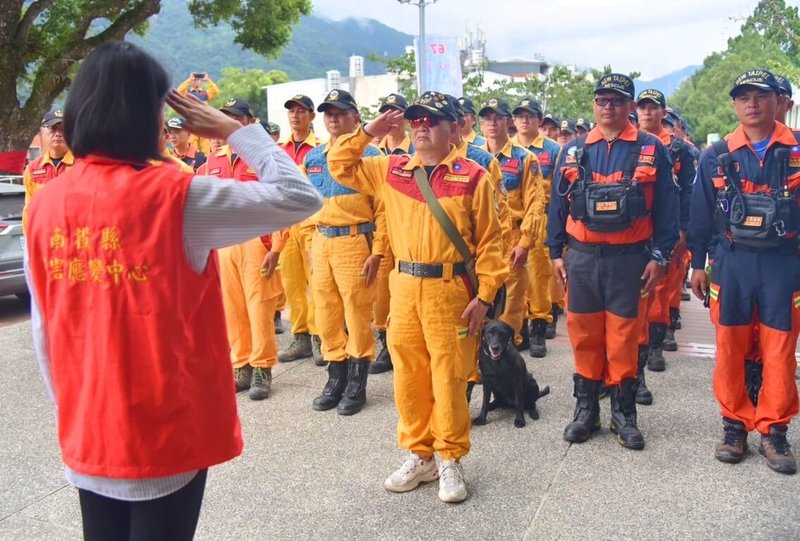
(648, 150)
(534, 168)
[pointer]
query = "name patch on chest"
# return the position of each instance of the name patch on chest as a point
(215, 171)
(39, 171)
(753, 221)
(544, 158)
(464, 179)
(606, 206)
(314, 169)
(399, 172)
(647, 159)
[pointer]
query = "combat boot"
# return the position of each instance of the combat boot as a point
(551, 327)
(524, 332)
(332, 392)
(242, 377)
(669, 343)
(623, 414)
(280, 328)
(775, 448)
(538, 330)
(643, 394)
(752, 379)
(655, 358)
(261, 384)
(587, 410)
(355, 394)
(300, 348)
(734, 442)
(316, 350)
(383, 363)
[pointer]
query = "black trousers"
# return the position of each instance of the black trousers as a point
(169, 518)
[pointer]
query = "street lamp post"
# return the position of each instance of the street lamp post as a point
(421, 41)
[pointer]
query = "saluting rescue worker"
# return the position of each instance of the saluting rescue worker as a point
(182, 148)
(470, 119)
(524, 186)
(745, 199)
(347, 245)
(128, 320)
(543, 311)
(651, 108)
(295, 268)
(436, 313)
(550, 126)
(251, 287)
(395, 142)
(615, 205)
(55, 159)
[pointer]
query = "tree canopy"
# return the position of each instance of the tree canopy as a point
(248, 84)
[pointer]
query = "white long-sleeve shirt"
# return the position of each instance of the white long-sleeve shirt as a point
(217, 213)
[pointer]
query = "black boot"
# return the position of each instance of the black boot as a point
(525, 333)
(643, 394)
(655, 358)
(355, 394)
(279, 327)
(587, 410)
(383, 363)
(332, 393)
(752, 379)
(669, 343)
(470, 387)
(538, 330)
(551, 327)
(623, 414)
(678, 323)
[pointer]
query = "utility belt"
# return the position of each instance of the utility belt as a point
(430, 270)
(601, 250)
(608, 207)
(757, 220)
(331, 231)
(788, 247)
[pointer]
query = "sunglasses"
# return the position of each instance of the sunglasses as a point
(427, 121)
(613, 102)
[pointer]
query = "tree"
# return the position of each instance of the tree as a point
(42, 42)
(248, 84)
(769, 39)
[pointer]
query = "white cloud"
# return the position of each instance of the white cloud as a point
(653, 38)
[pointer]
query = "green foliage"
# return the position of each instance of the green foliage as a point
(248, 84)
(405, 67)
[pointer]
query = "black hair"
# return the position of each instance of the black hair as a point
(114, 104)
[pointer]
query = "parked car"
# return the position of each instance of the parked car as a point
(12, 241)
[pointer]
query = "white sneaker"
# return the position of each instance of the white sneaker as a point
(452, 487)
(413, 472)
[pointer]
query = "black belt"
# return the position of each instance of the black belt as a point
(429, 270)
(607, 249)
(788, 247)
(344, 230)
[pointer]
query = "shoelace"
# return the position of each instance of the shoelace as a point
(732, 436)
(451, 474)
(259, 376)
(780, 444)
(410, 463)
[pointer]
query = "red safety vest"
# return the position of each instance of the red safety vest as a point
(136, 337)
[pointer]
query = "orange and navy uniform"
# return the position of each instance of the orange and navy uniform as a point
(750, 286)
(192, 157)
(41, 171)
(604, 305)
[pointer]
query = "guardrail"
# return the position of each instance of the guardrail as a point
(11, 179)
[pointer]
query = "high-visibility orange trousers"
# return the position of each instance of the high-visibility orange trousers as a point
(296, 277)
(516, 292)
(341, 297)
(676, 275)
(380, 310)
(250, 301)
(749, 289)
(603, 301)
(540, 275)
(432, 359)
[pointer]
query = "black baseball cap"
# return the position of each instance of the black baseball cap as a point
(270, 127)
(432, 103)
(393, 101)
(466, 105)
(783, 84)
(300, 99)
(51, 118)
(176, 123)
(550, 118)
(651, 94)
(341, 99)
(530, 105)
(755, 78)
(567, 125)
(496, 105)
(456, 106)
(583, 123)
(615, 82)
(238, 107)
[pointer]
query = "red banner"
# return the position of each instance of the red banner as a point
(13, 162)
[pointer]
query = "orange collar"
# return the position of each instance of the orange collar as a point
(66, 159)
(628, 134)
(780, 134)
(449, 160)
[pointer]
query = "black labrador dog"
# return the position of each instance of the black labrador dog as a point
(505, 376)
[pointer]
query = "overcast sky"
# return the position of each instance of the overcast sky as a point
(653, 38)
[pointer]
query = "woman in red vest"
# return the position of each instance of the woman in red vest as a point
(127, 314)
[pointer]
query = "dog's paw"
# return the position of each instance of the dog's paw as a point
(479, 421)
(520, 422)
(534, 413)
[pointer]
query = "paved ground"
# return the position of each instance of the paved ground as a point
(310, 475)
